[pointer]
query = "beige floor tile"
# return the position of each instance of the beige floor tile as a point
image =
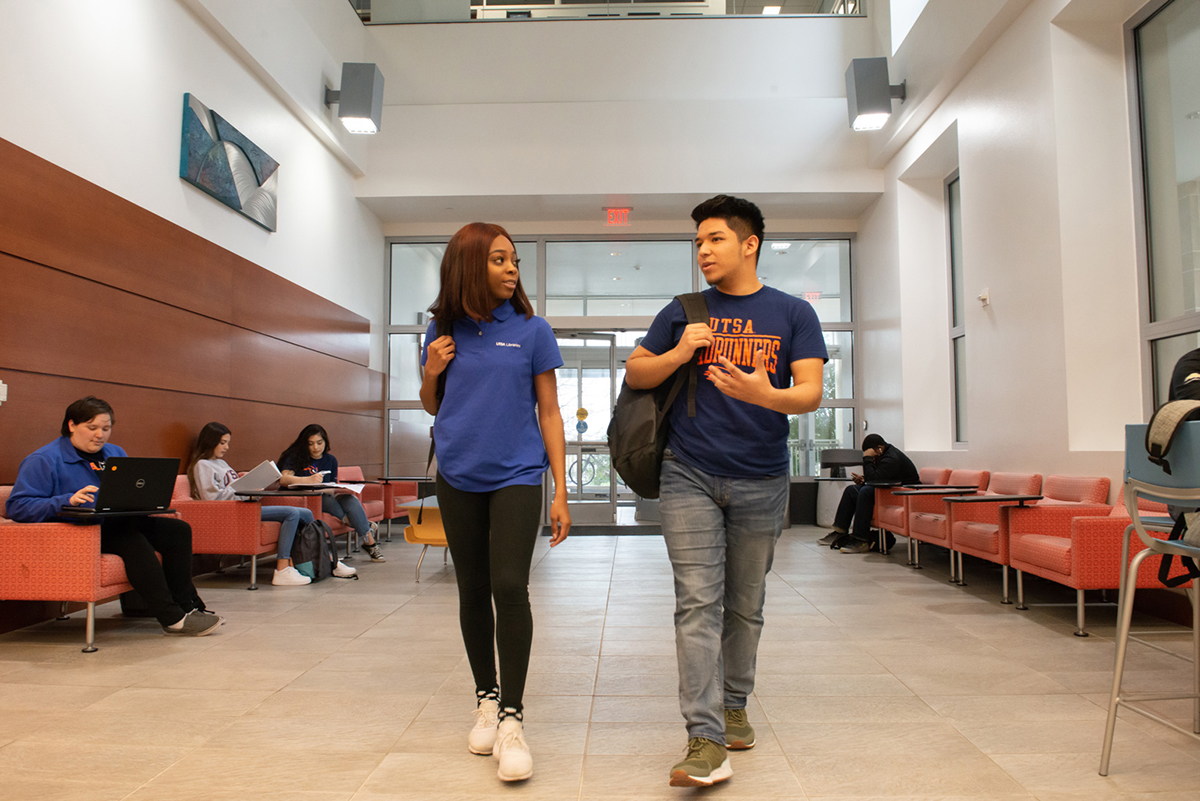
(347, 733)
(201, 793)
(219, 678)
(278, 769)
(636, 709)
(792, 709)
(662, 739)
(426, 776)
(50, 698)
(1041, 737)
(18, 788)
(660, 683)
(93, 726)
(124, 763)
(179, 702)
(1015, 707)
(802, 740)
(809, 685)
(928, 775)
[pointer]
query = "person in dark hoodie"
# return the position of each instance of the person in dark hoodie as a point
(882, 463)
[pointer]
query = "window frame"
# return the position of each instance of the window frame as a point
(955, 331)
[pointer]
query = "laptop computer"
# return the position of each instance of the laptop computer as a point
(130, 485)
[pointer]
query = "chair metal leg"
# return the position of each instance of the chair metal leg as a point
(91, 629)
(62, 611)
(253, 572)
(445, 555)
(1079, 632)
(910, 562)
(916, 555)
(953, 568)
(1004, 582)
(962, 576)
(1021, 591)
(421, 559)
(1124, 618)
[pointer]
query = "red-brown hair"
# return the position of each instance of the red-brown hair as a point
(464, 291)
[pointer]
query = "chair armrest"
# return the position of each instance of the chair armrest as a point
(1050, 520)
(199, 514)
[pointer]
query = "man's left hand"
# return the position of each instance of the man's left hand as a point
(752, 387)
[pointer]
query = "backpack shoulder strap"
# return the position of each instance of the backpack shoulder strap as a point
(441, 329)
(1164, 425)
(695, 308)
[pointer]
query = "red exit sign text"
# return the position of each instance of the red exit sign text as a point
(617, 217)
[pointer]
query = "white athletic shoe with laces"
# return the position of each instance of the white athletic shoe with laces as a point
(516, 763)
(289, 577)
(482, 738)
(344, 570)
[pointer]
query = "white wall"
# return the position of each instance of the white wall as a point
(97, 88)
(622, 106)
(1041, 126)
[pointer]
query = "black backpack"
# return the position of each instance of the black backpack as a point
(314, 552)
(637, 433)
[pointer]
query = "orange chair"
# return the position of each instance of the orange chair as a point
(227, 527)
(980, 529)
(428, 531)
(927, 515)
(395, 495)
(1039, 537)
(58, 562)
(891, 510)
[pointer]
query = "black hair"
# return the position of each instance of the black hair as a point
(298, 450)
(873, 441)
(743, 217)
(83, 410)
(206, 442)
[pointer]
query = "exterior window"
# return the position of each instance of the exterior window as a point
(958, 329)
(1168, 50)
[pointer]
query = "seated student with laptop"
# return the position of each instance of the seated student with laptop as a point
(64, 473)
(214, 480)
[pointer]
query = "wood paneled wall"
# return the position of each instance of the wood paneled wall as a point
(99, 296)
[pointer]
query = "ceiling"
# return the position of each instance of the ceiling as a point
(573, 208)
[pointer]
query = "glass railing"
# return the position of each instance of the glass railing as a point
(386, 12)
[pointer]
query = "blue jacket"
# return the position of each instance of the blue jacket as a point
(48, 478)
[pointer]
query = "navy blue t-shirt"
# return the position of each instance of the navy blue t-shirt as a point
(308, 466)
(486, 431)
(729, 437)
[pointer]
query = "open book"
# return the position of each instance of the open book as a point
(263, 477)
(334, 485)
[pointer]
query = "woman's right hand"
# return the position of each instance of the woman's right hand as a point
(85, 495)
(441, 353)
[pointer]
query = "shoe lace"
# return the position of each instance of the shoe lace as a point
(695, 747)
(736, 716)
(513, 737)
(485, 716)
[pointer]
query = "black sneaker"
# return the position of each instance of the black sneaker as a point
(856, 546)
(831, 537)
(196, 624)
(373, 551)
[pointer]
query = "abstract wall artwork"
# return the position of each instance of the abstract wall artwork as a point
(218, 159)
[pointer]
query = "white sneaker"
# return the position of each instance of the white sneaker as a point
(516, 763)
(482, 738)
(289, 577)
(344, 570)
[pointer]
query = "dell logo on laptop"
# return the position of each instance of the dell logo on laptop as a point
(141, 483)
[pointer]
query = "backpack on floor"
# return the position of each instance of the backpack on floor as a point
(314, 553)
(637, 432)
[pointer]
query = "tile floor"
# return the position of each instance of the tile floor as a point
(874, 681)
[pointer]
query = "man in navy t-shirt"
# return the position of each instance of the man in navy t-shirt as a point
(724, 479)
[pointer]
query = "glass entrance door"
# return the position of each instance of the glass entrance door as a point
(587, 391)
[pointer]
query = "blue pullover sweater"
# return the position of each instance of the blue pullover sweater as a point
(48, 478)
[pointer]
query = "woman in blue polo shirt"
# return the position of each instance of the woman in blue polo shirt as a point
(497, 430)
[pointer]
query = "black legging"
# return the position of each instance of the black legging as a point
(166, 588)
(491, 537)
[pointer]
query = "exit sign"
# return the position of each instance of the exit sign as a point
(617, 216)
(812, 297)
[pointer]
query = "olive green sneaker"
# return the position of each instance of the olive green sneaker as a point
(706, 763)
(739, 734)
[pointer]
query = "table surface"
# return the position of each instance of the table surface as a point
(277, 493)
(938, 491)
(1020, 499)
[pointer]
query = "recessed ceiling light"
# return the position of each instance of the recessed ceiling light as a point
(1195, 115)
(780, 245)
(617, 278)
(615, 254)
(771, 10)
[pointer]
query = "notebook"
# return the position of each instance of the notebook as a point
(265, 476)
(130, 485)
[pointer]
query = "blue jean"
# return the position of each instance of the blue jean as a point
(349, 507)
(289, 518)
(720, 534)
